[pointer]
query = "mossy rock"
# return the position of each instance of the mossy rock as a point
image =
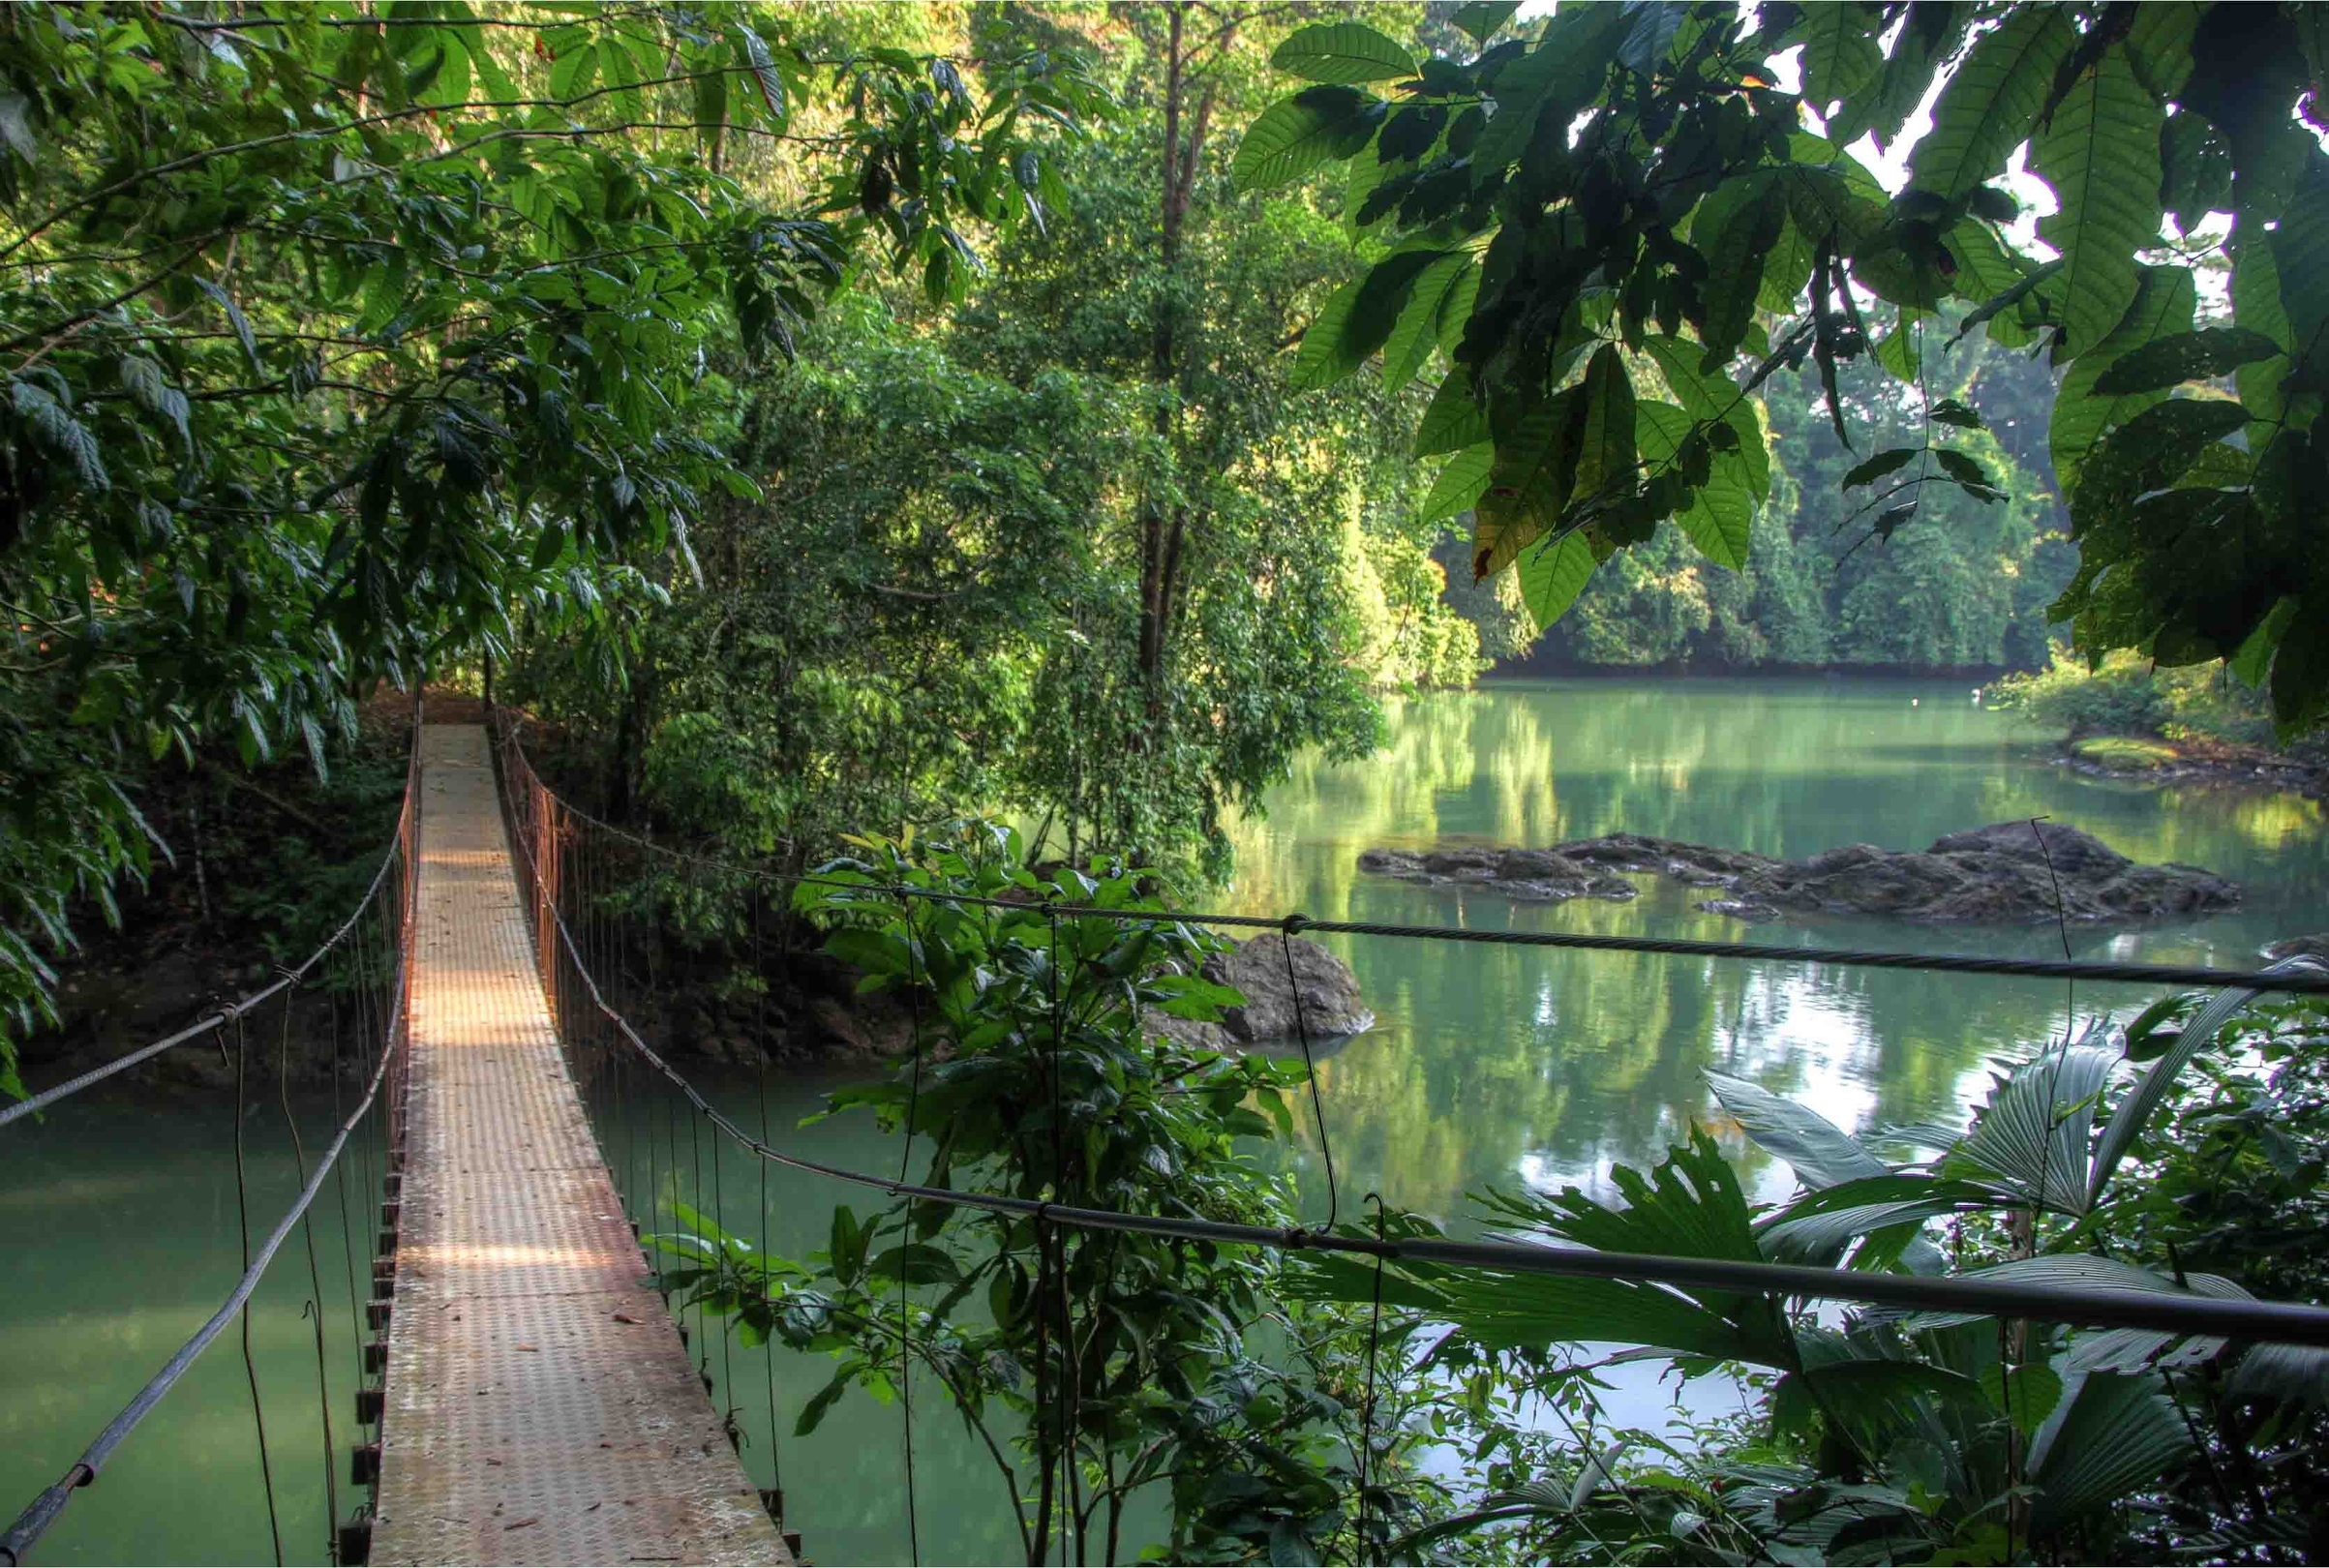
(2125, 752)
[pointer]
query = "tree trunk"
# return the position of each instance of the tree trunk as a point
(1160, 536)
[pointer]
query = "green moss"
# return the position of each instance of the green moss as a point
(2124, 751)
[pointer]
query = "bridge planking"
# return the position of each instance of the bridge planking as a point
(541, 1408)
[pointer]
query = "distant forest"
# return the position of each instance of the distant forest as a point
(1965, 590)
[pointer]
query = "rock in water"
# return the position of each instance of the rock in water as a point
(2315, 945)
(1257, 969)
(2001, 874)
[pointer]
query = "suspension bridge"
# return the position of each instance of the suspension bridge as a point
(525, 1395)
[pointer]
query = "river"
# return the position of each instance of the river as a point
(1486, 1065)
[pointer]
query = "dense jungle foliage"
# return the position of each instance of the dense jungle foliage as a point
(1298, 1407)
(835, 419)
(849, 415)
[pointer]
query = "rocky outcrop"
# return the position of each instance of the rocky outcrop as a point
(1256, 971)
(1539, 874)
(2315, 945)
(1994, 875)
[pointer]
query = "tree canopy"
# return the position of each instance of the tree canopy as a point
(1614, 227)
(336, 338)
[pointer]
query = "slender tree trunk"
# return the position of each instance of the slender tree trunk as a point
(1162, 535)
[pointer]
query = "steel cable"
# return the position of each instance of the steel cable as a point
(2274, 1321)
(2288, 976)
(31, 1525)
(225, 1014)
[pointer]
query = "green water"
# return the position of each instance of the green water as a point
(1485, 1066)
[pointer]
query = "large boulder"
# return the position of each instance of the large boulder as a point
(2004, 873)
(1256, 971)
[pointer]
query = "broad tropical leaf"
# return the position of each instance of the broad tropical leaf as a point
(1453, 420)
(1690, 1204)
(2109, 1435)
(2186, 356)
(2257, 307)
(1343, 52)
(1460, 483)
(1842, 53)
(1713, 395)
(2101, 156)
(1985, 110)
(1529, 489)
(1312, 128)
(1820, 1153)
(1408, 347)
(1326, 355)
(2164, 301)
(1605, 452)
(1553, 573)
(1735, 259)
(1720, 515)
(2137, 1106)
(2033, 1133)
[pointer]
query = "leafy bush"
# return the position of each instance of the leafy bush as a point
(1090, 1366)
(2120, 697)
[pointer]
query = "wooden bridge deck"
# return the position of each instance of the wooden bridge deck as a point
(541, 1408)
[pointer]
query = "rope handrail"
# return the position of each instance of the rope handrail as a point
(2298, 975)
(226, 1012)
(2101, 1308)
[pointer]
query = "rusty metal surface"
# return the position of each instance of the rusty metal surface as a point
(541, 1408)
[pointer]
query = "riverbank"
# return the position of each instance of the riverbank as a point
(2143, 759)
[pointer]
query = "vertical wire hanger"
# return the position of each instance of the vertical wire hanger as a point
(905, 1159)
(1375, 1323)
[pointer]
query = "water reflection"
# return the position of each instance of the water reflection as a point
(1488, 1064)
(1497, 1065)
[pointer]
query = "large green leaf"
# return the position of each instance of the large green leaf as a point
(2257, 307)
(1460, 482)
(1820, 1153)
(1842, 53)
(1344, 52)
(1713, 395)
(1326, 355)
(1720, 515)
(1830, 199)
(1884, 105)
(2300, 248)
(2159, 45)
(2034, 1131)
(2293, 1373)
(2137, 1106)
(1360, 317)
(2163, 304)
(2110, 1436)
(1408, 347)
(2149, 452)
(1691, 1205)
(1553, 573)
(1292, 138)
(1561, 70)
(1452, 420)
(2186, 356)
(1821, 1225)
(2100, 153)
(1529, 489)
(1988, 106)
(1604, 451)
(1734, 262)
